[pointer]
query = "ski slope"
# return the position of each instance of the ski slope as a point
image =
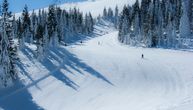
(102, 74)
(96, 7)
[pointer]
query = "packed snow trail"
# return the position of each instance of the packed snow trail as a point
(107, 75)
(139, 83)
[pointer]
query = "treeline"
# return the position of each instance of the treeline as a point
(157, 23)
(46, 29)
(50, 28)
(8, 50)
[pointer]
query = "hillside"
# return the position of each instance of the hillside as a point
(90, 68)
(102, 74)
(94, 6)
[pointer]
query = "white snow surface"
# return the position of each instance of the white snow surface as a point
(102, 74)
(94, 6)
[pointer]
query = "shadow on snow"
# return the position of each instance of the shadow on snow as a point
(60, 58)
(17, 100)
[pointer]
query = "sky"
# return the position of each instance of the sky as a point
(17, 5)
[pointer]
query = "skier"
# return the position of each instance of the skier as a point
(142, 56)
(98, 43)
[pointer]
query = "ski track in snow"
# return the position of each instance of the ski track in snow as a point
(107, 75)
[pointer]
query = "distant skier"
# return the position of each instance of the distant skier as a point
(142, 56)
(98, 43)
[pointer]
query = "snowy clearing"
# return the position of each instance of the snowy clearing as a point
(102, 74)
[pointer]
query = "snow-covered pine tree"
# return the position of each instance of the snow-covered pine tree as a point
(91, 23)
(45, 42)
(51, 25)
(136, 10)
(64, 25)
(14, 27)
(20, 34)
(137, 31)
(154, 17)
(33, 26)
(116, 17)
(136, 22)
(26, 25)
(160, 27)
(43, 17)
(184, 22)
(86, 24)
(146, 12)
(39, 36)
(105, 14)
(190, 11)
(80, 23)
(179, 11)
(110, 14)
(59, 23)
(7, 49)
(124, 25)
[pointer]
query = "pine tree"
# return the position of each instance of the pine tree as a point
(26, 24)
(137, 31)
(7, 49)
(136, 9)
(91, 23)
(86, 24)
(105, 13)
(33, 24)
(116, 17)
(125, 25)
(145, 14)
(110, 14)
(191, 14)
(184, 23)
(39, 37)
(51, 25)
(178, 13)
(14, 27)
(20, 33)
(59, 24)
(80, 23)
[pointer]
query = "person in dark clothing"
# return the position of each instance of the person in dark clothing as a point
(142, 56)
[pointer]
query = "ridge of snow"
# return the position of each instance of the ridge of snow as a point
(94, 6)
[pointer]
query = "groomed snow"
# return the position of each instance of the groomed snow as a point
(102, 74)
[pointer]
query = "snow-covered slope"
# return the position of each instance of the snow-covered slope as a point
(94, 6)
(102, 74)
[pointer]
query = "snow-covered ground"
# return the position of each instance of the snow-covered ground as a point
(102, 74)
(96, 7)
